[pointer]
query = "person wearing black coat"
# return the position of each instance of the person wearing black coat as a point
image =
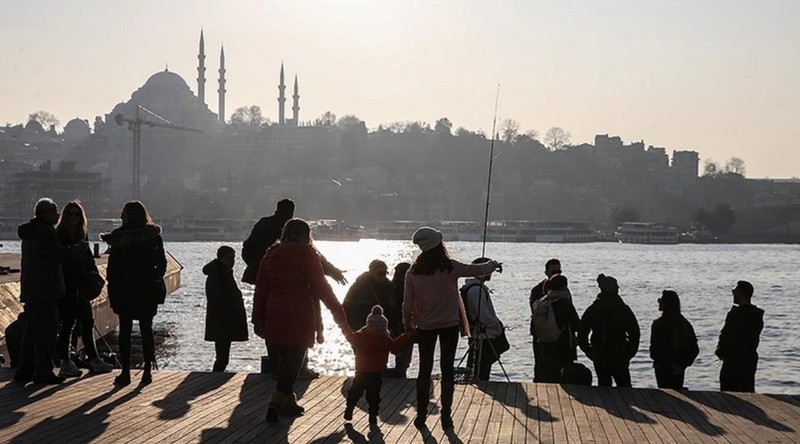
(72, 230)
(615, 334)
(265, 233)
(135, 274)
(673, 343)
(226, 319)
(41, 286)
(738, 342)
(369, 289)
(551, 268)
(553, 356)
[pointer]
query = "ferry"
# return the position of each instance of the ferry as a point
(497, 231)
(647, 233)
(334, 230)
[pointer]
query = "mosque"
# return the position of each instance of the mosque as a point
(168, 95)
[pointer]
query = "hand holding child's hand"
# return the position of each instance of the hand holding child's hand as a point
(320, 337)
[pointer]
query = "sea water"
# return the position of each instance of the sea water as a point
(702, 274)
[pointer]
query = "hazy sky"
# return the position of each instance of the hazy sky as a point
(720, 77)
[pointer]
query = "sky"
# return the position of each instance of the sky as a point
(718, 77)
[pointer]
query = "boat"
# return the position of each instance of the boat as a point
(497, 231)
(647, 233)
(335, 230)
(104, 318)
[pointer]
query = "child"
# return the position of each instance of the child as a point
(372, 345)
(226, 319)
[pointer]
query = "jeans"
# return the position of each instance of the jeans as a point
(290, 360)
(148, 340)
(448, 342)
(369, 383)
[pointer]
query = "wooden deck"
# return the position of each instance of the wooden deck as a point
(181, 407)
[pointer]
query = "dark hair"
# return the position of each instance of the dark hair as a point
(746, 287)
(377, 263)
(557, 282)
(433, 260)
(224, 251)
(73, 234)
(137, 214)
(550, 262)
(670, 301)
(400, 270)
(285, 206)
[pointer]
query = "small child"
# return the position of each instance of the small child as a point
(372, 345)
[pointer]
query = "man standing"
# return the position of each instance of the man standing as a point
(615, 334)
(738, 341)
(265, 233)
(551, 268)
(42, 285)
(370, 289)
(485, 326)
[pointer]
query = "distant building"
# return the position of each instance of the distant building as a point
(683, 171)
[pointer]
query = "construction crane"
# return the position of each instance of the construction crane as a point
(135, 125)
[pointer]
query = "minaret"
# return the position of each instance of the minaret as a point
(221, 89)
(201, 71)
(295, 103)
(281, 100)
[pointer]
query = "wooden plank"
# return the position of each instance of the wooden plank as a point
(403, 414)
(574, 418)
(559, 427)
(520, 414)
(507, 420)
(496, 415)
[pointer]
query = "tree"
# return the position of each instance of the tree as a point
(443, 125)
(247, 117)
(718, 221)
(99, 125)
(509, 128)
(711, 168)
(44, 118)
(350, 121)
(327, 119)
(556, 138)
(735, 165)
(533, 134)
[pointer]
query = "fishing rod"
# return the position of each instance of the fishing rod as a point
(489, 179)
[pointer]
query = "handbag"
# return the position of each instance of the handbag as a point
(91, 285)
(501, 344)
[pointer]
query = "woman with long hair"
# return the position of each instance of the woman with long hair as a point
(289, 285)
(135, 274)
(72, 231)
(432, 305)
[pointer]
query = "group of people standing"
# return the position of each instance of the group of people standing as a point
(608, 333)
(59, 279)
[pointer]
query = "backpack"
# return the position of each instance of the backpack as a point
(544, 321)
(576, 373)
(463, 291)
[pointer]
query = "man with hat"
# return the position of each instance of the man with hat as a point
(738, 342)
(615, 334)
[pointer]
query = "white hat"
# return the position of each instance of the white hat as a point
(427, 238)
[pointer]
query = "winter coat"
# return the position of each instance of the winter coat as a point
(290, 280)
(82, 262)
(738, 341)
(42, 275)
(135, 271)
(265, 233)
(363, 295)
(614, 331)
(488, 317)
(372, 348)
(673, 341)
(565, 348)
(226, 319)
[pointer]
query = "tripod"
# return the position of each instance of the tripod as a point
(475, 350)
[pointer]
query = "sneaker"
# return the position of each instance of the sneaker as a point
(69, 369)
(307, 373)
(48, 379)
(97, 365)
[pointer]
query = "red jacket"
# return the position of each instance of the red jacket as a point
(373, 347)
(289, 279)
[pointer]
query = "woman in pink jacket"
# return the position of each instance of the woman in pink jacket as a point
(289, 286)
(433, 306)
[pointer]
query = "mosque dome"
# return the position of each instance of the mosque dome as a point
(34, 126)
(76, 130)
(166, 80)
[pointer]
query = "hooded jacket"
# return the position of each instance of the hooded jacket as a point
(372, 348)
(475, 289)
(135, 271)
(614, 331)
(290, 282)
(226, 319)
(565, 348)
(265, 233)
(42, 275)
(673, 341)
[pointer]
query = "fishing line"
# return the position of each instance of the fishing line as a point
(489, 179)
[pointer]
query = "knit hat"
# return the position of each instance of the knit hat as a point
(607, 282)
(377, 320)
(427, 238)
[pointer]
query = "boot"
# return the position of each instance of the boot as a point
(124, 377)
(291, 408)
(276, 403)
(147, 376)
(348, 412)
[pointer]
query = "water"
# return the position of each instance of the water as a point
(701, 274)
